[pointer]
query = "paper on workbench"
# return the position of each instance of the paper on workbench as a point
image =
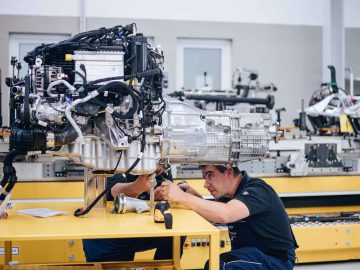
(41, 212)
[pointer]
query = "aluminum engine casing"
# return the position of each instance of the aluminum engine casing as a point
(196, 136)
(188, 135)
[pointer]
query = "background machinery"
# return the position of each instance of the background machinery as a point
(97, 100)
(247, 94)
(316, 172)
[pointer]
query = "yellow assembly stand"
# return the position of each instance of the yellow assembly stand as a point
(318, 243)
(47, 251)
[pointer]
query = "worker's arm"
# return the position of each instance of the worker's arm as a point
(212, 211)
(134, 189)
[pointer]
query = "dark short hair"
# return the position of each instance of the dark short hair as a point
(222, 168)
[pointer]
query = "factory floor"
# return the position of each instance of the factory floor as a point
(330, 266)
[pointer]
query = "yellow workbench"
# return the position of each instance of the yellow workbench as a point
(103, 224)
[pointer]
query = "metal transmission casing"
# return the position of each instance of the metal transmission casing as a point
(191, 135)
(187, 135)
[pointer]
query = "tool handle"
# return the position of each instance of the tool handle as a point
(168, 218)
(333, 79)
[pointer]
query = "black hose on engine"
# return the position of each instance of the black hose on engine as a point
(9, 178)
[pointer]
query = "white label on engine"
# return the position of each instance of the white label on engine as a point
(193, 149)
(81, 120)
(42, 123)
(109, 109)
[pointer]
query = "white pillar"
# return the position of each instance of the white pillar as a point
(82, 16)
(334, 40)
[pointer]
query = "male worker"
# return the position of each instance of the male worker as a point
(124, 249)
(260, 233)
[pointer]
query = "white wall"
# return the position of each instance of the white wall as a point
(352, 13)
(69, 8)
(299, 12)
(291, 12)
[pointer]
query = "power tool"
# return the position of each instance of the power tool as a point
(162, 214)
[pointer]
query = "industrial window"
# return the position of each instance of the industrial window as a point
(203, 63)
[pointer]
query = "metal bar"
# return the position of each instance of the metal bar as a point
(176, 252)
(98, 266)
(8, 252)
(1, 122)
(117, 265)
(152, 195)
(214, 251)
(213, 98)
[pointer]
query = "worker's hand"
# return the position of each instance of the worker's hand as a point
(158, 195)
(184, 186)
(160, 169)
(143, 182)
(170, 191)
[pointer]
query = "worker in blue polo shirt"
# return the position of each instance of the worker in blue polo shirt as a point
(259, 228)
(124, 249)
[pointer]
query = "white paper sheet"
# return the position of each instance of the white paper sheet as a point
(41, 212)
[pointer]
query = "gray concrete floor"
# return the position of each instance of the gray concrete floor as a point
(355, 265)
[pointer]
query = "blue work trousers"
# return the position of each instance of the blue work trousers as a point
(251, 258)
(124, 249)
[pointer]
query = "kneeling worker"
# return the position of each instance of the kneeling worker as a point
(259, 229)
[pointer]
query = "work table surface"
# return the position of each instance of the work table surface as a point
(97, 224)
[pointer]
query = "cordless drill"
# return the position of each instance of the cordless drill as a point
(162, 214)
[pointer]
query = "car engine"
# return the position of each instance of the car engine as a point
(97, 98)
